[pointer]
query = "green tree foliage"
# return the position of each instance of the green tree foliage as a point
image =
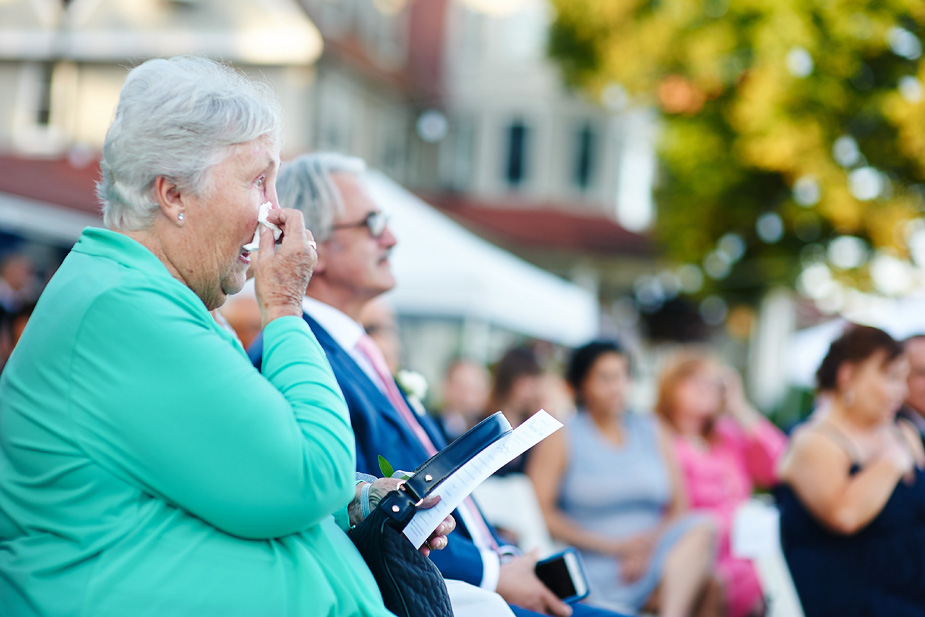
(808, 113)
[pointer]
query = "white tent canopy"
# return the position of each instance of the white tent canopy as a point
(443, 270)
(38, 219)
(900, 318)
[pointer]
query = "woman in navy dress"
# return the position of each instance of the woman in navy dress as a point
(852, 501)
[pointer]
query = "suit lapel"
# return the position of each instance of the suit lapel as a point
(354, 379)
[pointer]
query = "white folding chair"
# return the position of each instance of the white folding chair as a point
(756, 536)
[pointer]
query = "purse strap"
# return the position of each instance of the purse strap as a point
(400, 505)
(437, 468)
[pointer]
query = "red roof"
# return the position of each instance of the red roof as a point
(69, 183)
(72, 183)
(552, 226)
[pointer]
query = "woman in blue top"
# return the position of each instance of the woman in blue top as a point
(608, 485)
(853, 500)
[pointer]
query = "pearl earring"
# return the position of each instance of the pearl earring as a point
(181, 216)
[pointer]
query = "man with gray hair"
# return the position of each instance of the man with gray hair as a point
(354, 245)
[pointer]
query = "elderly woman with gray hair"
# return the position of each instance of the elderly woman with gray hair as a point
(146, 468)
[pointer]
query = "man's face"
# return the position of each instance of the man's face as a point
(915, 351)
(467, 389)
(355, 262)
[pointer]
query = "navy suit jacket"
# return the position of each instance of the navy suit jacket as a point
(380, 430)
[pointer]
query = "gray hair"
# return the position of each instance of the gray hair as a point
(306, 183)
(177, 118)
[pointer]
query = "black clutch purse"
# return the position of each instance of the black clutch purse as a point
(410, 583)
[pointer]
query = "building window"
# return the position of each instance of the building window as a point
(585, 150)
(518, 136)
(43, 102)
(456, 154)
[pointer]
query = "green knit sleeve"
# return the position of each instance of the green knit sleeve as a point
(164, 402)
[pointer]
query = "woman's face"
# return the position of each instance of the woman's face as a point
(605, 387)
(220, 222)
(697, 398)
(876, 388)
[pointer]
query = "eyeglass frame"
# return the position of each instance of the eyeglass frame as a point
(369, 221)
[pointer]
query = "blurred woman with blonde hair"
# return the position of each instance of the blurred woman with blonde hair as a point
(724, 447)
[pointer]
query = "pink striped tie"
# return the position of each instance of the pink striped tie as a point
(367, 346)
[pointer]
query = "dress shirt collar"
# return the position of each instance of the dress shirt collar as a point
(345, 331)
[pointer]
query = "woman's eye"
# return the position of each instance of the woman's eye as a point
(261, 181)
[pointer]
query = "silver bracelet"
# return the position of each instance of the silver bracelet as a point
(364, 501)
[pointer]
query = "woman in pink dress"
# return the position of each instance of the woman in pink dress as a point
(724, 447)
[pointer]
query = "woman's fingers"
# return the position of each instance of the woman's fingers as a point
(447, 526)
(283, 271)
(429, 502)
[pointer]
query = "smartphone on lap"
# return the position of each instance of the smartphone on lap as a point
(564, 575)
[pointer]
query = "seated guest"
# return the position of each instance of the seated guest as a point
(852, 504)
(913, 410)
(556, 396)
(19, 288)
(640, 550)
(516, 385)
(724, 447)
(354, 245)
(147, 468)
(465, 396)
(19, 284)
(516, 389)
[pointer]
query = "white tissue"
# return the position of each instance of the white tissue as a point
(262, 213)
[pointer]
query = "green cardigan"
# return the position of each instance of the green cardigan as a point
(146, 468)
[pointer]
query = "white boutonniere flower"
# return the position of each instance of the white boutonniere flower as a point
(414, 385)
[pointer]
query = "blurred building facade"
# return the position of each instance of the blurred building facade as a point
(454, 99)
(63, 63)
(457, 100)
(62, 66)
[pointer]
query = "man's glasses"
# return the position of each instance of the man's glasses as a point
(375, 223)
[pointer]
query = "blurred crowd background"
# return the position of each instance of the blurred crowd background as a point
(665, 172)
(742, 177)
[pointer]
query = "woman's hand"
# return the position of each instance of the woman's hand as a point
(438, 539)
(382, 487)
(283, 271)
(737, 406)
(635, 554)
(518, 584)
(897, 451)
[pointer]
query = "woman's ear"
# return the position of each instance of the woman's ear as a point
(168, 196)
(845, 376)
